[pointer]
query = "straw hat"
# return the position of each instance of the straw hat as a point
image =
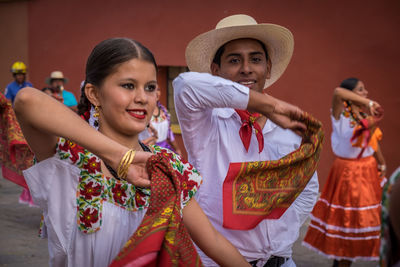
(56, 75)
(277, 39)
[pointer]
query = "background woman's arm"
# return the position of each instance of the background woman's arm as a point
(381, 161)
(340, 95)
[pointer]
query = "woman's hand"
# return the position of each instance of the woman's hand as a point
(149, 141)
(153, 131)
(382, 170)
(137, 172)
(375, 109)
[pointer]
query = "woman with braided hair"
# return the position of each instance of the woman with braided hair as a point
(93, 184)
(345, 222)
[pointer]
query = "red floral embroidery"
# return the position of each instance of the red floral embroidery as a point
(88, 218)
(90, 191)
(73, 149)
(186, 184)
(166, 153)
(140, 198)
(119, 194)
(92, 165)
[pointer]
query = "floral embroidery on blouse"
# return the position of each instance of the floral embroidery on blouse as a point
(163, 115)
(94, 187)
(159, 118)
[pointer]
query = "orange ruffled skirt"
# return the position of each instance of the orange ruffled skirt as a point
(345, 222)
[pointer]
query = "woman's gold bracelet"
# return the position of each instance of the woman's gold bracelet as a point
(124, 164)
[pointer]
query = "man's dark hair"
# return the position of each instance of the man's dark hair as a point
(221, 50)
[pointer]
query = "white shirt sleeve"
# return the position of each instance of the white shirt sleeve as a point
(199, 91)
(196, 95)
(305, 202)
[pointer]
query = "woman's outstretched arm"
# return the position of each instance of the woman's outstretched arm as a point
(340, 95)
(43, 119)
(208, 239)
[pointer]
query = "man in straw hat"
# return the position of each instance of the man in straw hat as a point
(57, 82)
(231, 67)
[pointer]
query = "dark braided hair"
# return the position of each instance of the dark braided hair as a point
(105, 58)
(350, 84)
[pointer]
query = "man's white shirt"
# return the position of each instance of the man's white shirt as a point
(210, 129)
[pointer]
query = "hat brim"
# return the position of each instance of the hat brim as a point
(277, 39)
(48, 80)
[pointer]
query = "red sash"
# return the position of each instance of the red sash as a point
(161, 239)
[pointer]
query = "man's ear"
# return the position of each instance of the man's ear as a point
(269, 68)
(92, 94)
(214, 69)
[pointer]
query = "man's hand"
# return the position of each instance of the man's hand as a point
(288, 116)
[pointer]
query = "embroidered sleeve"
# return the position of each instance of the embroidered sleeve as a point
(189, 176)
(71, 152)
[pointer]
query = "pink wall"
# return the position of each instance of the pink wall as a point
(333, 40)
(14, 38)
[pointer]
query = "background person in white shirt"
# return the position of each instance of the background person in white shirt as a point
(247, 57)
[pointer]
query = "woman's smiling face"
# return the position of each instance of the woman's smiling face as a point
(127, 98)
(360, 89)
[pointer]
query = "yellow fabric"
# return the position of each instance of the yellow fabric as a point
(376, 136)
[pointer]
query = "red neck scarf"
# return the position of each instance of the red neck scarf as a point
(248, 122)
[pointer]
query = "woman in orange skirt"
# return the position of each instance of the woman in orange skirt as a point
(345, 222)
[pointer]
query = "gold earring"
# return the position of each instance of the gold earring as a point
(96, 116)
(96, 112)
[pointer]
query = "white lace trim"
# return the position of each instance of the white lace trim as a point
(349, 208)
(344, 230)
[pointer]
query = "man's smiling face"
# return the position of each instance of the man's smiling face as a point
(244, 61)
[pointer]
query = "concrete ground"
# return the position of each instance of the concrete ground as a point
(20, 245)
